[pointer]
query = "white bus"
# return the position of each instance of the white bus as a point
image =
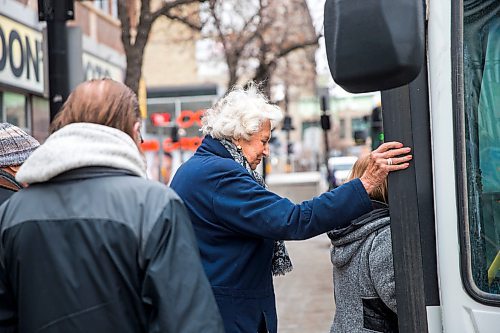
(437, 63)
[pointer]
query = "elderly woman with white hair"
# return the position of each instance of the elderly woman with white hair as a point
(240, 225)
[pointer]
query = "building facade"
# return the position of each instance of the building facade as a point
(94, 51)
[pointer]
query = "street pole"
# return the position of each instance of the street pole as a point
(264, 166)
(288, 127)
(325, 125)
(56, 13)
(160, 153)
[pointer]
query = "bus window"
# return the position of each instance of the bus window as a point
(481, 61)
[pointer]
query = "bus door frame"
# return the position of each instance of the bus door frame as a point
(406, 119)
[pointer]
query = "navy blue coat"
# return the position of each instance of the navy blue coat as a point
(236, 222)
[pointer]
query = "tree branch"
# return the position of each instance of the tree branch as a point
(261, 25)
(184, 20)
(167, 6)
(283, 52)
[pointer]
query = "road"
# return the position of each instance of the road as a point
(304, 297)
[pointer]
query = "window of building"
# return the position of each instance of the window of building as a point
(114, 8)
(14, 109)
(174, 106)
(40, 118)
(102, 5)
(110, 7)
(358, 125)
(342, 128)
(155, 106)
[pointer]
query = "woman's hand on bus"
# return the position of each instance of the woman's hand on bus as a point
(389, 156)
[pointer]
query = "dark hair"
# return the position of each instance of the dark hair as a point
(100, 101)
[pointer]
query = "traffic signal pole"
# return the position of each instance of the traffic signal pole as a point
(56, 13)
(287, 127)
(325, 126)
(376, 127)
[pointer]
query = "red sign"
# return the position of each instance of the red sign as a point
(188, 118)
(150, 145)
(160, 119)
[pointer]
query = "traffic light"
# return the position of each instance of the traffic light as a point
(377, 127)
(325, 122)
(325, 117)
(287, 124)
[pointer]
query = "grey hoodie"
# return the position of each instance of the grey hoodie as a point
(363, 275)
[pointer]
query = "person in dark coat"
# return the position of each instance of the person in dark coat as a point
(363, 272)
(240, 225)
(91, 245)
(15, 147)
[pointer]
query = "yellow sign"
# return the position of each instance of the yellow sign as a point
(142, 97)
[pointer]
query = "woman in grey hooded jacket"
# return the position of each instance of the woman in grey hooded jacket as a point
(363, 272)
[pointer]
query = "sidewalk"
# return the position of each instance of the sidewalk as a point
(304, 297)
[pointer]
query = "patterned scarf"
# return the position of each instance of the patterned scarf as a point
(281, 261)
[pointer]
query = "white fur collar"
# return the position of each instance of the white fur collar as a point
(80, 145)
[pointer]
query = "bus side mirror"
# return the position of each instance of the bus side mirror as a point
(374, 45)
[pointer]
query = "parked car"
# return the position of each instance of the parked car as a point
(340, 168)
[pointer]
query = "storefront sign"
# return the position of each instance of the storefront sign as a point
(95, 68)
(21, 56)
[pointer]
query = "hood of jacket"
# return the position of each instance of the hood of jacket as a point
(347, 241)
(81, 145)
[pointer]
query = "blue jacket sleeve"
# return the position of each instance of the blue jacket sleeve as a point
(244, 206)
(175, 287)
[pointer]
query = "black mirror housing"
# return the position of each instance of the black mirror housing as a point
(374, 45)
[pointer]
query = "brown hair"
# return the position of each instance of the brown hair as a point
(380, 192)
(100, 101)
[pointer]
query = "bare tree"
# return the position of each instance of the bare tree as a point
(256, 35)
(136, 27)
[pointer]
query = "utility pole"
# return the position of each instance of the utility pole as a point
(287, 122)
(326, 125)
(287, 127)
(56, 13)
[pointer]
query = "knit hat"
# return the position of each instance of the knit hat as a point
(15, 145)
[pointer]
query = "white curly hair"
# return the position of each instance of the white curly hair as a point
(239, 114)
